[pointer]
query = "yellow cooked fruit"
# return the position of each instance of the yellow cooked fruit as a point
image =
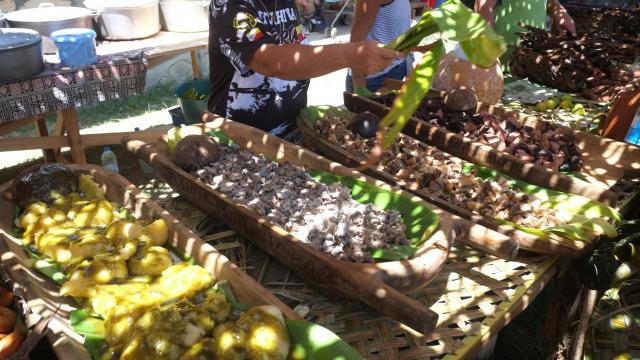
(158, 232)
(89, 246)
(90, 188)
(55, 247)
(123, 231)
(151, 261)
(78, 285)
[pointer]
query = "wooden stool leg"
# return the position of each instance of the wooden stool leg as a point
(194, 65)
(49, 154)
(70, 119)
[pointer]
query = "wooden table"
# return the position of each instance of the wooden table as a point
(159, 49)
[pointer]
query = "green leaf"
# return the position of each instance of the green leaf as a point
(46, 266)
(230, 296)
(412, 93)
(455, 22)
(314, 342)
(85, 324)
(395, 253)
(363, 91)
(419, 220)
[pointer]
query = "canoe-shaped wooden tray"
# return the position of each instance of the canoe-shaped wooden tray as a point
(41, 293)
(378, 285)
(605, 160)
(555, 245)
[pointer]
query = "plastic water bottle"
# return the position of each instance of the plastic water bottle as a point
(109, 160)
(144, 166)
(633, 136)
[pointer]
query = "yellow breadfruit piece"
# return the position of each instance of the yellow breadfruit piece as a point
(157, 231)
(151, 261)
(90, 188)
(122, 231)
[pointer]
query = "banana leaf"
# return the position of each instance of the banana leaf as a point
(481, 45)
(583, 214)
(419, 220)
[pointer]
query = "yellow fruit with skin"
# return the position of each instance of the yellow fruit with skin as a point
(553, 102)
(578, 109)
(157, 231)
(566, 105)
(541, 106)
(566, 97)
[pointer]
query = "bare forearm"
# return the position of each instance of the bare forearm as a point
(485, 8)
(301, 62)
(363, 19)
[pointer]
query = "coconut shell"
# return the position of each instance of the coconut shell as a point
(36, 183)
(462, 99)
(194, 152)
(454, 73)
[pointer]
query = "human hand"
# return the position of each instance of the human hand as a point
(359, 81)
(369, 57)
(563, 20)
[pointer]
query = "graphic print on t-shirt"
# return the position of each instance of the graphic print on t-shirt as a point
(268, 103)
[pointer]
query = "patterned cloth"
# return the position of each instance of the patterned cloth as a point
(58, 88)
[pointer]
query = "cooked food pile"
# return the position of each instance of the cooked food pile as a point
(545, 146)
(441, 175)
(119, 268)
(323, 216)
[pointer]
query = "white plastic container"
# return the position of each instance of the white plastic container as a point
(109, 160)
(184, 15)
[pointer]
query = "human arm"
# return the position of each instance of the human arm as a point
(485, 9)
(561, 17)
(363, 18)
(301, 62)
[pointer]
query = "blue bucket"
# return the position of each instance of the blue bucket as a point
(76, 47)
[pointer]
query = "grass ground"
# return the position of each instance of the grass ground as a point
(148, 104)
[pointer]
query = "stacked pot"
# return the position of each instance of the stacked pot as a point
(185, 15)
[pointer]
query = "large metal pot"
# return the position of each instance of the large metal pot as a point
(20, 53)
(49, 18)
(126, 19)
(185, 15)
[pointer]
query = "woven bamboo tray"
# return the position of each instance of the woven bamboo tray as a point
(475, 295)
(380, 284)
(556, 245)
(41, 293)
(605, 160)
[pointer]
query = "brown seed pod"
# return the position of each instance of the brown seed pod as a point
(194, 152)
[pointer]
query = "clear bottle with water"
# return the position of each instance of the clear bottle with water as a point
(109, 160)
(144, 166)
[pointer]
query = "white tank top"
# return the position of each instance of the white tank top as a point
(392, 20)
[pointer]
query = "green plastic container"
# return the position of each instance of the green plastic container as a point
(193, 109)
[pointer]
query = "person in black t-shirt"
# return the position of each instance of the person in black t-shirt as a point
(260, 64)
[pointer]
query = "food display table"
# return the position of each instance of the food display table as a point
(120, 72)
(475, 295)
